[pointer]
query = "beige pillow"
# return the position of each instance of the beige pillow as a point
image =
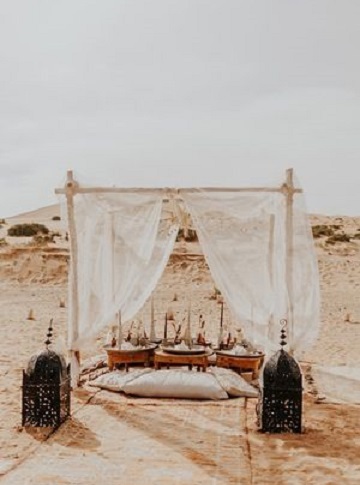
(176, 384)
(233, 384)
(115, 381)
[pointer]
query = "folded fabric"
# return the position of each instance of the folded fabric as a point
(233, 383)
(94, 363)
(115, 381)
(176, 384)
(338, 383)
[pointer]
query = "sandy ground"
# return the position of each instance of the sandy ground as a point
(117, 440)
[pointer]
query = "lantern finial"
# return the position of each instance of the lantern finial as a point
(283, 323)
(49, 334)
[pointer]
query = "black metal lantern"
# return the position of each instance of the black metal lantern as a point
(281, 407)
(46, 389)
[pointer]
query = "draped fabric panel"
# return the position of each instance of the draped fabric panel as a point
(123, 248)
(243, 237)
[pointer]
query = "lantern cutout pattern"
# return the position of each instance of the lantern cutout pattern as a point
(280, 405)
(46, 388)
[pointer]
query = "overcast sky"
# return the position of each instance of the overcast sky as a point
(180, 93)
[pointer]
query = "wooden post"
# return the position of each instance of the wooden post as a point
(289, 249)
(73, 325)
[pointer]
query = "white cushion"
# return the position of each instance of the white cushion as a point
(234, 384)
(176, 384)
(115, 381)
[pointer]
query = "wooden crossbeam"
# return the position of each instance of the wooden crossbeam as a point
(172, 191)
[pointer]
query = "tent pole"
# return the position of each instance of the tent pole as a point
(289, 222)
(74, 291)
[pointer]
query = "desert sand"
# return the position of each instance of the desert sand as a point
(113, 439)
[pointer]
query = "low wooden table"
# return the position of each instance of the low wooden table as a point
(126, 357)
(163, 358)
(241, 363)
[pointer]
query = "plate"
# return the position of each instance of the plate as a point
(196, 349)
(156, 341)
(125, 351)
(229, 353)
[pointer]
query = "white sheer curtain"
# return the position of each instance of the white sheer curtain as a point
(123, 248)
(243, 238)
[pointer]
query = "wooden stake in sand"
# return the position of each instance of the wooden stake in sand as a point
(31, 315)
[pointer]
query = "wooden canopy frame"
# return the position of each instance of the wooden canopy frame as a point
(72, 188)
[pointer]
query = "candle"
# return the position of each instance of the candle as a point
(188, 328)
(142, 324)
(165, 327)
(152, 321)
(120, 339)
(222, 314)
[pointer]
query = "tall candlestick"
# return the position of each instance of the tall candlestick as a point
(165, 327)
(142, 324)
(188, 327)
(120, 338)
(152, 321)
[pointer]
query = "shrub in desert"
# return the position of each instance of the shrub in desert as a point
(27, 230)
(356, 236)
(322, 230)
(338, 238)
(3, 242)
(2, 221)
(56, 218)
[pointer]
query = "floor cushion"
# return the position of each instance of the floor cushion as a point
(233, 383)
(116, 380)
(176, 384)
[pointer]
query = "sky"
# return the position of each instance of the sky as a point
(180, 93)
